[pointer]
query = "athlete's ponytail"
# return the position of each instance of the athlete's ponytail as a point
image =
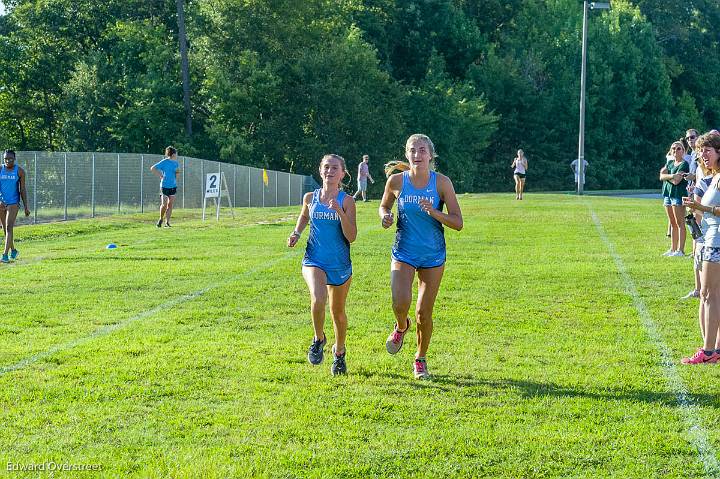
(393, 166)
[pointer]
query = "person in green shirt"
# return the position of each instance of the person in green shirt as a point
(674, 177)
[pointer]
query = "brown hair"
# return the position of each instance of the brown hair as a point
(342, 186)
(711, 140)
(392, 166)
(170, 151)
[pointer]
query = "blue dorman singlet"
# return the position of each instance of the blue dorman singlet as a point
(9, 191)
(327, 247)
(420, 239)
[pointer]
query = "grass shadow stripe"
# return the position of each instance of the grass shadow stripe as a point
(109, 329)
(689, 408)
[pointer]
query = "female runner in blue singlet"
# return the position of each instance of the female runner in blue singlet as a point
(419, 245)
(326, 266)
(168, 170)
(12, 189)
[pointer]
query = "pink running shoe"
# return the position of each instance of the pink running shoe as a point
(395, 340)
(420, 369)
(700, 358)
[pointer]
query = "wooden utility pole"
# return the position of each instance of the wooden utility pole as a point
(182, 39)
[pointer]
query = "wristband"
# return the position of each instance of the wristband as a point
(295, 233)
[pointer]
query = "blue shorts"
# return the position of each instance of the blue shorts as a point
(668, 201)
(420, 262)
(335, 277)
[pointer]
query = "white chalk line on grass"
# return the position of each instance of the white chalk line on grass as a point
(698, 434)
(111, 328)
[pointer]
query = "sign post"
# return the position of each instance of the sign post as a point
(216, 188)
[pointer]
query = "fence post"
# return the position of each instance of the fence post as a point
(65, 189)
(290, 178)
(92, 187)
(249, 187)
(235, 184)
(142, 198)
(118, 183)
(183, 180)
(263, 188)
(276, 188)
(202, 182)
(35, 190)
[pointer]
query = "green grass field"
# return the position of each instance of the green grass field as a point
(183, 352)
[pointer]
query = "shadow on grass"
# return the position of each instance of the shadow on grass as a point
(533, 389)
(473, 386)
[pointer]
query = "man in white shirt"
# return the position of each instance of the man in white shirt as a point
(574, 167)
(363, 177)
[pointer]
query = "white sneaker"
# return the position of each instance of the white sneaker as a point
(669, 253)
(692, 294)
(678, 254)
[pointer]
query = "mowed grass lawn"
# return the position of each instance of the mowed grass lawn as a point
(182, 353)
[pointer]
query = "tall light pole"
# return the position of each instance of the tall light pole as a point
(583, 76)
(182, 39)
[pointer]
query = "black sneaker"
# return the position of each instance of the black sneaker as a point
(338, 365)
(315, 353)
(159, 223)
(167, 225)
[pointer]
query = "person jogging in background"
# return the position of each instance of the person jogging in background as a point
(520, 165)
(419, 247)
(363, 177)
(326, 267)
(12, 190)
(168, 170)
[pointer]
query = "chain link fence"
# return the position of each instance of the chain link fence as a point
(65, 185)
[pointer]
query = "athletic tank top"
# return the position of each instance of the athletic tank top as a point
(418, 233)
(327, 246)
(520, 167)
(9, 185)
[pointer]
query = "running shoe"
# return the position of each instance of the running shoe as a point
(692, 294)
(4, 259)
(159, 223)
(14, 254)
(678, 254)
(669, 252)
(315, 353)
(700, 358)
(338, 365)
(420, 369)
(395, 340)
(167, 225)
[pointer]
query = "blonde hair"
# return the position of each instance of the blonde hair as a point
(392, 166)
(679, 143)
(329, 156)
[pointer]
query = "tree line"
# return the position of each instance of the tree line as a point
(278, 83)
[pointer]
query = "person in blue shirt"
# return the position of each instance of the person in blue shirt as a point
(12, 190)
(168, 170)
(421, 194)
(326, 267)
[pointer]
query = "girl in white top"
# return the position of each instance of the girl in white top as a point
(520, 164)
(709, 311)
